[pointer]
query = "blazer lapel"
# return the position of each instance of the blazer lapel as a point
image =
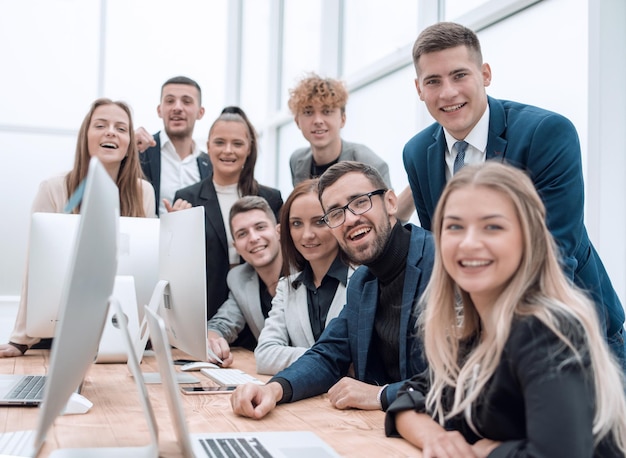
(367, 314)
(252, 300)
(204, 166)
(303, 314)
(214, 221)
(436, 169)
(496, 143)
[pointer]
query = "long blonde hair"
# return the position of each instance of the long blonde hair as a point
(129, 176)
(538, 288)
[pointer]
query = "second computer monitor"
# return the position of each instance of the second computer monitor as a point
(52, 237)
(182, 265)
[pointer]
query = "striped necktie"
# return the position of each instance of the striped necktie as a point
(459, 160)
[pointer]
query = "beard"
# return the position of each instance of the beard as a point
(368, 253)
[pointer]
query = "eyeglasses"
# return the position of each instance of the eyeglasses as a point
(357, 206)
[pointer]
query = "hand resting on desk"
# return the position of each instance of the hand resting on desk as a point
(349, 393)
(255, 401)
(9, 351)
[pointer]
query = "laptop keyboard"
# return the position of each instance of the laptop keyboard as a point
(18, 443)
(230, 377)
(29, 388)
(234, 447)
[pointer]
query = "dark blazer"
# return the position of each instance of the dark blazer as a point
(150, 161)
(545, 145)
(346, 340)
(536, 404)
(217, 264)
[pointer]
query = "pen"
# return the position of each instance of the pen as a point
(215, 357)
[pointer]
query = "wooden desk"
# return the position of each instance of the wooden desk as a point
(116, 419)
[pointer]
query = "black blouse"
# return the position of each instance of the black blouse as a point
(539, 401)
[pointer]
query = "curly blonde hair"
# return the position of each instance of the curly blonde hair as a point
(313, 89)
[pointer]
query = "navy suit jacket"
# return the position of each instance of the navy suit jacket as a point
(545, 145)
(217, 263)
(150, 161)
(346, 340)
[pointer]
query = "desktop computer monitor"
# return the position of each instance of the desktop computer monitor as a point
(181, 291)
(52, 238)
(85, 294)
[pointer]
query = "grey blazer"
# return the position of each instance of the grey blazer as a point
(301, 159)
(287, 333)
(242, 306)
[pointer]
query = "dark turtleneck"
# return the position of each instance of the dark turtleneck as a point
(389, 269)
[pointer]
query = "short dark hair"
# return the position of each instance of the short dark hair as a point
(336, 171)
(184, 80)
(446, 35)
(249, 203)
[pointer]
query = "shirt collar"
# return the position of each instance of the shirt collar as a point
(477, 137)
(168, 147)
(337, 270)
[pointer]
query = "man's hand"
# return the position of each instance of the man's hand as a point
(143, 139)
(220, 347)
(9, 351)
(350, 393)
(180, 204)
(255, 401)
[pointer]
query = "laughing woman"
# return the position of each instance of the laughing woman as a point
(519, 367)
(106, 133)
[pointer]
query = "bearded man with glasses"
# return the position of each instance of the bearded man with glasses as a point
(365, 353)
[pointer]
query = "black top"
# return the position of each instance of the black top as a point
(320, 299)
(539, 401)
(265, 298)
(389, 268)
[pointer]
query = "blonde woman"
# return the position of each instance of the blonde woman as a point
(518, 365)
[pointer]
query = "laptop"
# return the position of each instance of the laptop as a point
(27, 390)
(277, 444)
(21, 390)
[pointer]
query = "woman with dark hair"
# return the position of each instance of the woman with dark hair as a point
(106, 133)
(313, 289)
(232, 148)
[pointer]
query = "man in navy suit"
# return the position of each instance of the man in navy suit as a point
(170, 159)
(451, 80)
(365, 353)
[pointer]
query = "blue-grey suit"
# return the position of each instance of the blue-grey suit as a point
(545, 145)
(346, 340)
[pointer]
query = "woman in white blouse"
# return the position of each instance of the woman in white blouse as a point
(313, 289)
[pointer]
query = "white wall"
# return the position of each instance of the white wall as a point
(59, 55)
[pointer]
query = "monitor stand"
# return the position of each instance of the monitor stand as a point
(141, 339)
(148, 451)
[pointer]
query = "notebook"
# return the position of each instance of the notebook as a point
(284, 444)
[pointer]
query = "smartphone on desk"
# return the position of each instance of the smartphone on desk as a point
(208, 389)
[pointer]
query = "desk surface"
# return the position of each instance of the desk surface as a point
(116, 419)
